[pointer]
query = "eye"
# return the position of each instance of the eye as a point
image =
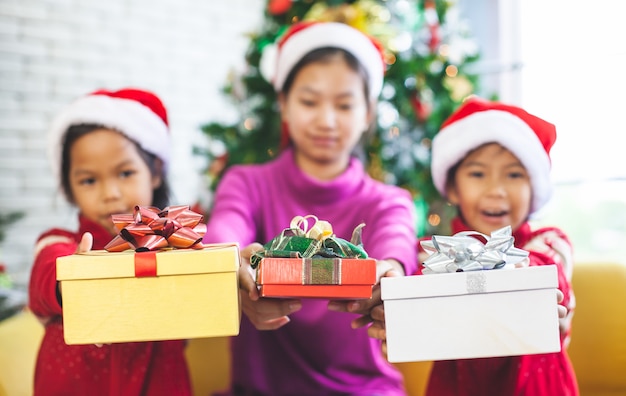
(345, 106)
(127, 173)
(87, 181)
(476, 173)
(307, 102)
(517, 175)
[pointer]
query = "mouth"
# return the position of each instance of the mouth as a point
(323, 140)
(493, 213)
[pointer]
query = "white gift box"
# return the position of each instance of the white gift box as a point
(472, 314)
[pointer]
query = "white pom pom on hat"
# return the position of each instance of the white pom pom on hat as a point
(304, 37)
(477, 122)
(136, 113)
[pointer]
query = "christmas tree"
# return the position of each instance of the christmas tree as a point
(428, 54)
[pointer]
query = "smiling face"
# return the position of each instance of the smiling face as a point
(107, 175)
(491, 189)
(326, 112)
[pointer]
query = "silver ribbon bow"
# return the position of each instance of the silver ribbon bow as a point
(462, 252)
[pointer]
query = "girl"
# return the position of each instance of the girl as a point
(491, 161)
(109, 152)
(328, 77)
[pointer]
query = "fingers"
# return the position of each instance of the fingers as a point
(247, 252)
(85, 244)
(372, 310)
(265, 313)
(361, 321)
(377, 330)
(559, 299)
(562, 312)
(388, 268)
(378, 313)
(247, 282)
(559, 296)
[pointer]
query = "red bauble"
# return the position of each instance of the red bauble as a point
(421, 108)
(278, 7)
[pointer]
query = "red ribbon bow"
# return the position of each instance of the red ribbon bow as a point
(150, 228)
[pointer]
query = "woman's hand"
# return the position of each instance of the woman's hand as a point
(264, 313)
(372, 310)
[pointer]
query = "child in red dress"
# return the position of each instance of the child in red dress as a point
(491, 161)
(109, 153)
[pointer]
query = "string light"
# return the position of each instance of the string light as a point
(434, 219)
(452, 71)
(444, 50)
(248, 124)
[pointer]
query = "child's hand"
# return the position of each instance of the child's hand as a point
(565, 316)
(264, 313)
(371, 310)
(562, 308)
(85, 244)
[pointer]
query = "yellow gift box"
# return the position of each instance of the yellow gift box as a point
(113, 297)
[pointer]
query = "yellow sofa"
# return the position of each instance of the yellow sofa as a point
(598, 347)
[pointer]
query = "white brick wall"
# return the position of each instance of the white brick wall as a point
(52, 51)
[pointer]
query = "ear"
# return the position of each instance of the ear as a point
(371, 112)
(157, 175)
(282, 104)
(452, 194)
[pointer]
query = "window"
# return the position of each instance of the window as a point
(573, 73)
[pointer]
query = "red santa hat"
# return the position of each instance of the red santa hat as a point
(477, 122)
(304, 37)
(138, 114)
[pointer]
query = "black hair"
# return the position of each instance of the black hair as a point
(325, 54)
(160, 195)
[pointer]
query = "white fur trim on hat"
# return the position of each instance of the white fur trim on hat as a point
(130, 117)
(456, 140)
(331, 34)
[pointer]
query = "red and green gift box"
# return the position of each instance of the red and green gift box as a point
(316, 277)
(303, 263)
(156, 281)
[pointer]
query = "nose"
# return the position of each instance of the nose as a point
(496, 188)
(111, 190)
(327, 116)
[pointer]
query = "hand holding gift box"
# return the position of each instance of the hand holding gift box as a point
(476, 301)
(156, 269)
(313, 262)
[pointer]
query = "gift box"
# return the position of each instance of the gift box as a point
(471, 314)
(329, 278)
(477, 299)
(155, 281)
(307, 260)
(193, 294)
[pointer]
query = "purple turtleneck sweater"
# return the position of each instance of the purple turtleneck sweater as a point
(317, 353)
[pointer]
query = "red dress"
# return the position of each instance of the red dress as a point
(136, 368)
(548, 374)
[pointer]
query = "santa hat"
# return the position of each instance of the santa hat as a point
(478, 122)
(305, 37)
(138, 114)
